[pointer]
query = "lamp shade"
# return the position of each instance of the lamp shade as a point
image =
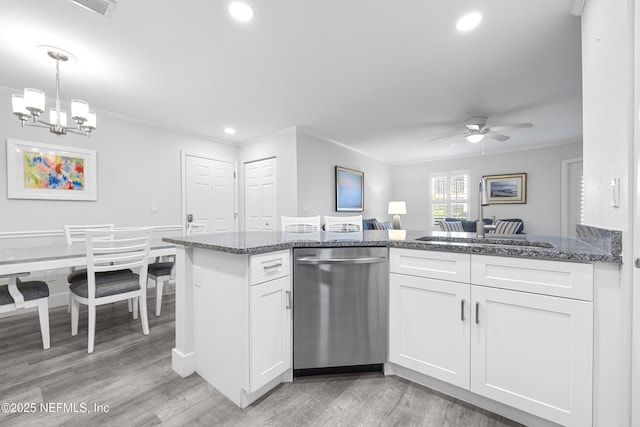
(91, 120)
(397, 208)
(17, 101)
(79, 109)
(53, 117)
(34, 100)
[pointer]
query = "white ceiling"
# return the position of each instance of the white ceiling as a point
(381, 76)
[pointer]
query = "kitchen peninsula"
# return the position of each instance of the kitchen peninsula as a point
(507, 323)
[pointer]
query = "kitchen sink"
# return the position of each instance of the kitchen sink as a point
(494, 242)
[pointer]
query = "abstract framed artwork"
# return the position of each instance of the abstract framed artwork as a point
(51, 172)
(503, 189)
(349, 190)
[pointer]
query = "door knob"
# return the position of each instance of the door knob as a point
(637, 262)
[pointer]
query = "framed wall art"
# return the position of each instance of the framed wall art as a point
(52, 172)
(511, 188)
(349, 190)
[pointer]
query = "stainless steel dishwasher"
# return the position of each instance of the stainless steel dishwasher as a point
(340, 308)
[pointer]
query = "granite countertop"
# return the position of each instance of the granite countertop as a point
(592, 246)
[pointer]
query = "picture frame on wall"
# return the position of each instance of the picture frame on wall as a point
(508, 188)
(349, 190)
(37, 170)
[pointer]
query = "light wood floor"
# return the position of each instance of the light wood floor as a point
(131, 375)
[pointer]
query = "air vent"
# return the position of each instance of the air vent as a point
(101, 7)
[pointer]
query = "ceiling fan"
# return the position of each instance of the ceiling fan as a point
(477, 130)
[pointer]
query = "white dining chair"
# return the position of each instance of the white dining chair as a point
(17, 295)
(109, 251)
(342, 224)
(74, 234)
(300, 224)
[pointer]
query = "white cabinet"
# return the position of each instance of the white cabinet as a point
(269, 331)
(242, 322)
(517, 331)
(429, 318)
(533, 352)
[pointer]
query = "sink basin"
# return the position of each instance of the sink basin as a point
(494, 242)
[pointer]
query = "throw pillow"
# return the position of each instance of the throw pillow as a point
(506, 227)
(381, 225)
(451, 226)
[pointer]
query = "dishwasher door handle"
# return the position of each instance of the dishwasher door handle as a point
(318, 261)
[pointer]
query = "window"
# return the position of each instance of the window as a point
(449, 196)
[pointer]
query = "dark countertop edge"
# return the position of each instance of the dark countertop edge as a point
(551, 254)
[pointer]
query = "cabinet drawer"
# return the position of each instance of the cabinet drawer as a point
(436, 265)
(555, 278)
(269, 266)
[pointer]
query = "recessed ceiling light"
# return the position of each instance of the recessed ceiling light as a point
(469, 21)
(229, 131)
(241, 11)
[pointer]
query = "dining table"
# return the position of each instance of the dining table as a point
(41, 257)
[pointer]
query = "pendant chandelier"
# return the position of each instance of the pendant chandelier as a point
(29, 106)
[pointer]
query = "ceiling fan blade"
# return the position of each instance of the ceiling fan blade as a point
(506, 127)
(498, 136)
(445, 136)
(456, 141)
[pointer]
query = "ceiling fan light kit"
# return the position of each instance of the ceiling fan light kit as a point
(31, 104)
(474, 138)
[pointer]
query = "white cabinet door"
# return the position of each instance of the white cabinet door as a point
(533, 352)
(270, 331)
(429, 327)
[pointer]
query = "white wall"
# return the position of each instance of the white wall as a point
(541, 213)
(317, 159)
(282, 146)
(608, 114)
(137, 166)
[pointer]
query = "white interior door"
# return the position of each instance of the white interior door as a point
(210, 193)
(260, 195)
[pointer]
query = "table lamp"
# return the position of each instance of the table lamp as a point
(396, 209)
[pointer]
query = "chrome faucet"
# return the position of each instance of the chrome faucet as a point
(483, 200)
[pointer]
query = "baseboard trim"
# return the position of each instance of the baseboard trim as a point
(467, 396)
